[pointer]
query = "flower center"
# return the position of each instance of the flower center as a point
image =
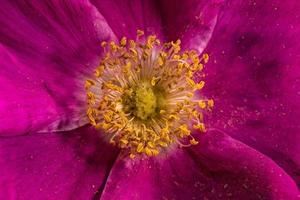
(141, 101)
(142, 95)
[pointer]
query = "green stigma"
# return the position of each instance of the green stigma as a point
(141, 101)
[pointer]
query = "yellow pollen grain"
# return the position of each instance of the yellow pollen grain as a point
(142, 95)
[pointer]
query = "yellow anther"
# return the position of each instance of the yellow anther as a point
(113, 87)
(190, 74)
(124, 141)
(90, 111)
(195, 60)
(112, 141)
(89, 84)
(200, 67)
(133, 52)
(157, 42)
(205, 57)
(127, 68)
(150, 41)
(178, 42)
(190, 94)
(107, 117)
(98, 126)
(132, 44)
(184, 130)
(192, 54)
(118, 126)
(176, 46)
(163, 54)
(92, 120)
(200, 127)
(140, 147)
(140, 33)
(91, 96)
(132, 156)
(160, 61)
(151, 145)
(154, 80)
(173, 117)
(145, 54)
(105, 126)
(113, 46)
(123, 41)
(195, 114)
(190, 82)
(162, 112)
(103, 44)
(155, 152)
(210, 103)
(148, 151)
(99, 71)
(180, 66)
(163, 144)
(165, 131)
(193, 141)
(199, 85)
(151, 152)
(185, 56)
(176, 57)
(202, 104)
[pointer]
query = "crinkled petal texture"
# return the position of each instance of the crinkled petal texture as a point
(191, 21)
(218, 168)
(70, 165)
(254, 78)
(125, 17)
(47, 48)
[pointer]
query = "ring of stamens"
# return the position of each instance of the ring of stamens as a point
(142, 95)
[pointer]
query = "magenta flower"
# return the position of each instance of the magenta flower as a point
(49, 150)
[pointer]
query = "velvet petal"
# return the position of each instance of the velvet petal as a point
(218, 168)
(69, 165)
(254, 77)
(47, 49)
(125, 17)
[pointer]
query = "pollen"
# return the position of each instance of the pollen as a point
(142, 95)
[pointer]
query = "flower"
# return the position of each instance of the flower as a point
(48, 150)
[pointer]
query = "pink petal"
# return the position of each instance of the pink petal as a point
(125, 17)
(47, 49)
(218, 168)
(254, 77)
(191, 21)
(70, 165)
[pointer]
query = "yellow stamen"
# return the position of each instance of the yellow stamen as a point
(142, 95)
